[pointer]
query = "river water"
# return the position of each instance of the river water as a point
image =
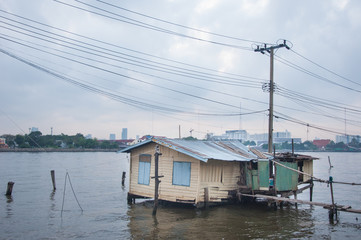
(35, 212)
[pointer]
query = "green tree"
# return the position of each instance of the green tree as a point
(249, 143)
(354, 143)
(9, 139)
(190, 138)
(33, 138)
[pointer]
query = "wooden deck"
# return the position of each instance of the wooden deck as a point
(343, 208)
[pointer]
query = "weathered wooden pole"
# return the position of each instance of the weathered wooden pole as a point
(206, 197)
(9, 189)
(311, 189)
(295, 196)
(52, 173)
(156, 177)
(123, 178)
(332, 211)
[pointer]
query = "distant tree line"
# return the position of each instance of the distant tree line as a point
(37, 140)
(353, 146)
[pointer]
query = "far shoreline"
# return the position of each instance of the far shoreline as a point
(35, 150)
(56, 150)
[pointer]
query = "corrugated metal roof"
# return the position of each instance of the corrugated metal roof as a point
(204, 150)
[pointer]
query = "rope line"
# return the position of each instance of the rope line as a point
(67, 176)
(313, 177)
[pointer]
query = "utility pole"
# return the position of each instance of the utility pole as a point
(270, 50)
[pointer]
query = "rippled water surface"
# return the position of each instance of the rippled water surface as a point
(34, 210)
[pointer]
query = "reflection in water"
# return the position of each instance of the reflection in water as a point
(52, 205)
(155, 230)
(228, 222)
(9, 199)
(9, 211)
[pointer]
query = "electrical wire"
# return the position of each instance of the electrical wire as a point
(148, 26)
(324, 68)
(128, 49)
(180, 25)
(301, 69)
(143, 63)
(111, 95)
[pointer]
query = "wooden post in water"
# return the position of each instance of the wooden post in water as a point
(333, 210)
(206, 197)
(123, 178)
(311, 189)
(52, 173)
(9, 189)
(156, 161)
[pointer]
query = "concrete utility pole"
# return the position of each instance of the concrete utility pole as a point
(270, 50)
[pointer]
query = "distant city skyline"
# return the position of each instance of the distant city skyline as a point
(230, 134)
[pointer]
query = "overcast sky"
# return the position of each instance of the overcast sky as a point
(152, 66)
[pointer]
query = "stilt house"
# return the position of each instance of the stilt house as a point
(199, 172)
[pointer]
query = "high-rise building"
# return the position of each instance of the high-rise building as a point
(236, 134)
(112, 136)
(124, 133)
(347, 138)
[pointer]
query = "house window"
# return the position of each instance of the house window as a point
(144, 169)
(182, 173)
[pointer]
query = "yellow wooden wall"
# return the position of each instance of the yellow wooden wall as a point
(307, 168)
(167, 191)
(218, 176)
(209, 176)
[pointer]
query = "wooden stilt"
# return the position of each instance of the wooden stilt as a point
(311, 189)
(333, 210)
(206, 197)
(9, 189)
(123, 178)
(52, 174)
(129, 199)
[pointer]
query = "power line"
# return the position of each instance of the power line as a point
(144, 63)
(114, 96)
(286, 118)
(124, 48)
(301, 69)
(148, 26)
(324, 68)
(180, 25)
(112, 72)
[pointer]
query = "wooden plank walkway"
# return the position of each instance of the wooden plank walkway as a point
(324, 205)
